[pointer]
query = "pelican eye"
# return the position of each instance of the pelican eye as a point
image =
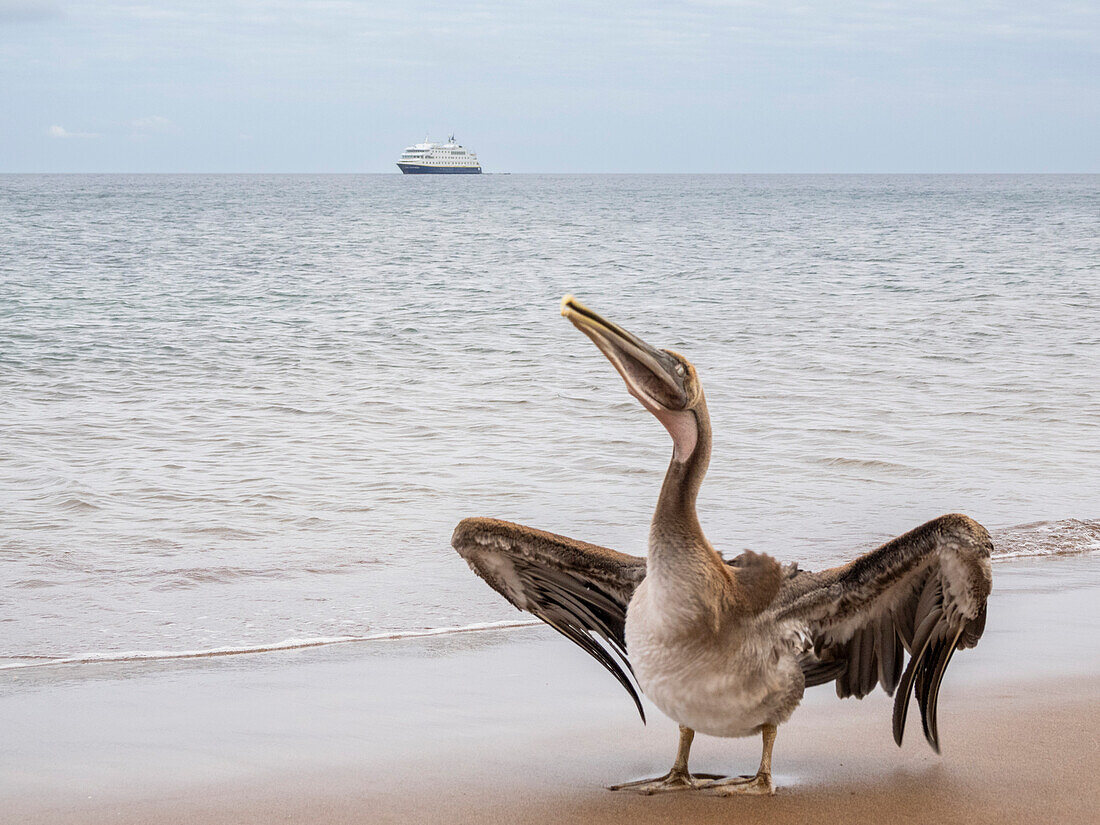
(680, 370)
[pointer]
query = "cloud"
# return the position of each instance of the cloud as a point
(153, 124)
(63, 133)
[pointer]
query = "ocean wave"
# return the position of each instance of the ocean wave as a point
(286, 644)
(871, 465)
(1069, 536)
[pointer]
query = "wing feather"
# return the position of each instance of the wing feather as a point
(931, 726)
(579, 589)
(868, 662)
(886, 641)
(924, 593)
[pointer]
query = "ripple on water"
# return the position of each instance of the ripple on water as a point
(245, 409)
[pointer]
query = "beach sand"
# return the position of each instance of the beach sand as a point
(519, 727)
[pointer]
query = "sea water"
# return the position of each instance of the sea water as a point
(247, 411)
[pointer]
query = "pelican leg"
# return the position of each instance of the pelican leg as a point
(677, 779)
(759, 785)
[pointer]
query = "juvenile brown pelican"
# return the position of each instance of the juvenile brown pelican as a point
(727, 648)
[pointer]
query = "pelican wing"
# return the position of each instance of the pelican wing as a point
(581, 590)
(923, 593)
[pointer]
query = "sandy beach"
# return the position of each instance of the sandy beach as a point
(516, 726)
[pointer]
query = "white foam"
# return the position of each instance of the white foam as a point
(286, 644)
(1047, 538)
(1030, 555)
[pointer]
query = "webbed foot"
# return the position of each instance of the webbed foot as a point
(759, 785)
(674, 780)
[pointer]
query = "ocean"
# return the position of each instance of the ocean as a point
(243, 412)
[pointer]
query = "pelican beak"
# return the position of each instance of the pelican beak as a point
(653, 376)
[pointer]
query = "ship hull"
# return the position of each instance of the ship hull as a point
(417, 169)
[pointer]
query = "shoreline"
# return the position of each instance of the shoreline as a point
(519, 727)
(273, 647)
(1030, 541)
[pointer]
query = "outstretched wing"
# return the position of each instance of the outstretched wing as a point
(923, 593)
(581, 590)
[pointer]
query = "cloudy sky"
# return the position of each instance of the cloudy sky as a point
(551, 85)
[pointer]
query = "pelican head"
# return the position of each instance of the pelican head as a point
(663, 381)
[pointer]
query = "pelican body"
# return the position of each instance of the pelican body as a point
(727, 647)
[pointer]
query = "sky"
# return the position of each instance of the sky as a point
(735, 86)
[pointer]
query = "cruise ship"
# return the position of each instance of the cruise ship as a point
(438, 159)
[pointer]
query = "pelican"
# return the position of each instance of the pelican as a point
(727, 648)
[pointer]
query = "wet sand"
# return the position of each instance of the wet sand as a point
(519, 727)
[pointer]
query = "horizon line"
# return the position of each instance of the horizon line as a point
(576, 174)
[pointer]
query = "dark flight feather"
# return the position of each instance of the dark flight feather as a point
(581, 590)
(924, 593)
